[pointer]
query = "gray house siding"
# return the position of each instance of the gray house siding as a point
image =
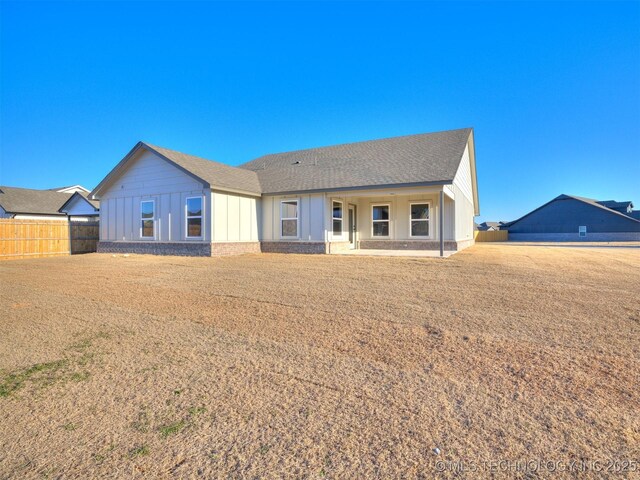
(560, 219)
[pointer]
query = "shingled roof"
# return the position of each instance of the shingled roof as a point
(26, 200)
(214, 173)
(424, 159)
(429, 158)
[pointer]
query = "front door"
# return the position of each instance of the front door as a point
(352, 226)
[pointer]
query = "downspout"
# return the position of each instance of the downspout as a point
(441, 221)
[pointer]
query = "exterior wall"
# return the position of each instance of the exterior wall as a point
(464, 205)
(79, 206)
(566, 215)
(235, 218)
(149, 177)
(311, 210)
(573, 237)
(400, 217)
(187, 249)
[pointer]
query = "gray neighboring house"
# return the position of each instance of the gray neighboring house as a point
(30, 204)
(571, 218)
(411, 192)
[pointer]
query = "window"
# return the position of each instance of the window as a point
(380, 220)
(420, 219)
(147, 218)
(582, 231)
(289, 218)
(194, 217)
(337, 218)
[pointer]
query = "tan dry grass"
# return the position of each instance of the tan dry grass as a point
(274, 366)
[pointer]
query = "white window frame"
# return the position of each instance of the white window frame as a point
(428, 220)
(187, 217)
(582, 230)
(333, 219)
(297, 218)
(153, 219)
(373, 205)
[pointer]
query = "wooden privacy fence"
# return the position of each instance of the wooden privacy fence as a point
(84, 236)
(491, 236)
(45, 238)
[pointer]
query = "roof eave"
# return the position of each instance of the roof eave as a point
(362, 187)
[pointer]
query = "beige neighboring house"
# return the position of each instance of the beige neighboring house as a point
(411, 192)
(67, 203)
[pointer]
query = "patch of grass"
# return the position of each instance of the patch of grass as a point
(195, 411)
(80, 376)
(139, 451)
(13, 381)
(172, 428)
(69, 427)
(264, 448)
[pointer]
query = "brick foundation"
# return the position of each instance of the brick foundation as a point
(234, 248)
(294, 247)
(407, 245)
(183, 249)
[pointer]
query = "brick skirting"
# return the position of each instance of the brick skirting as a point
(156, 248)
(235, 248)
(294, 247)
(407, 245)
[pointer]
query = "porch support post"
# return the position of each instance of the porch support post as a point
(441, 223)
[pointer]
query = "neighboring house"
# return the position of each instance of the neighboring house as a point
(412, 192)
(72, 189)
(622, 207)
(489, 226)
(570, 218)
(29, 204)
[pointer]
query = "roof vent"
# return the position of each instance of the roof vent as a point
(297, 162)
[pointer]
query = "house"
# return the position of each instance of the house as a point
(489, 226)
(29, 204)
(411, 192)
(571, 218)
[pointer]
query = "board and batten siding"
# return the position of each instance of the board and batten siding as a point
(235, 218)
(311, 209)
(464, 205)
(149, 177)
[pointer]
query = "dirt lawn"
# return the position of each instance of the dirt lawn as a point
(281, 366)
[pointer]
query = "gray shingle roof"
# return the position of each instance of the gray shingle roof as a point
(214, 173)
(414, 159)
(25, 200)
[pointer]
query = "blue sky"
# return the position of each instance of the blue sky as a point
(552, 89)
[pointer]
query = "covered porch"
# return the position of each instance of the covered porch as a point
(400, 221)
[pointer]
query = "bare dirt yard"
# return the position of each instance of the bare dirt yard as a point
(288, 366)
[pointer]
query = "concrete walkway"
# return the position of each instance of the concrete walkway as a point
(396, 253)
